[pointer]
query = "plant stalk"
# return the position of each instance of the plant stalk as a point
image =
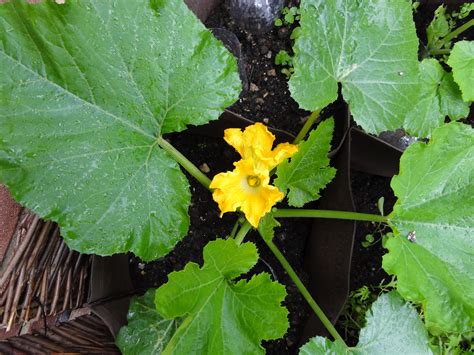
(453, 34)
(234, 229)
(292, 213)
(184, 162)
(307, 296)
(307, 126)
(440, 51)
(246, 227)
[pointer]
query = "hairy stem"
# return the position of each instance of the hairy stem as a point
(307, 296)
(307, 126)
(292, 213)
(184, 162)
(246, 227)
(454, 33)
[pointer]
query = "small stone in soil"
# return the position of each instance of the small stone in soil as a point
(266, 120)
(204, 168)
(259, 100)
(141, 266)
(283, 32)
(269, 55)
(253, 87)
(271, 72)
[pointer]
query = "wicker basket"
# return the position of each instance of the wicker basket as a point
(53, 299)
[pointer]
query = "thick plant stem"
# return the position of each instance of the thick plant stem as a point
(355, 216)
(307, 126)
(184, 162)
(246, 227)
(453, 34)
(307, 296)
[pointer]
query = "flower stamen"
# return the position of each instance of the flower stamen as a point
(253, 181)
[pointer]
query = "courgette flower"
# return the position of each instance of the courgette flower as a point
(248, 186)
(256, 142)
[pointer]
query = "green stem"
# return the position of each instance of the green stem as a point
(307, 296)
(291, 213)
(236, 226)
(234, 229)
(454, 34)
(184, 162)
(440, 51)
(307, 126)
(246, 227)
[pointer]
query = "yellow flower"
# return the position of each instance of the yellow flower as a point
(247, 186)
(256, 142)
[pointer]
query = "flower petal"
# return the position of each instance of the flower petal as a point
(277, 155)
(255, 138)
(258, 137)
(228, 191)
(257, 205)
(235, 138)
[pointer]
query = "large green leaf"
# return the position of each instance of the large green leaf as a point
(86, 88)
(462, 62)
(393, 327)
(370, 46)
(432, 252)
(440, 97)
(147, 332)
(222, 316)
(308, 171)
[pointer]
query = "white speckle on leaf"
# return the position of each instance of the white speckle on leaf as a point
(412, 236)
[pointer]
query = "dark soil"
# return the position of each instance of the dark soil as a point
(367, 261)
(266, 98)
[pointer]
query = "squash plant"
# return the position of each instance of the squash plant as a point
(89, 88)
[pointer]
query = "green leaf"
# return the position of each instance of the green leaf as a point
(462, 62)
(147, 332)
(439, 97)
(393, 327)
(223, 316)
(319, 345)
(283, 58)
(267, 226)
(465, 10)
(90, 86)
(289, 18)
(370, 46)
(433, 222)
(438, 28)
(308, 171)
(450, 99)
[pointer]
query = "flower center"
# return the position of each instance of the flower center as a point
(253, 181)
